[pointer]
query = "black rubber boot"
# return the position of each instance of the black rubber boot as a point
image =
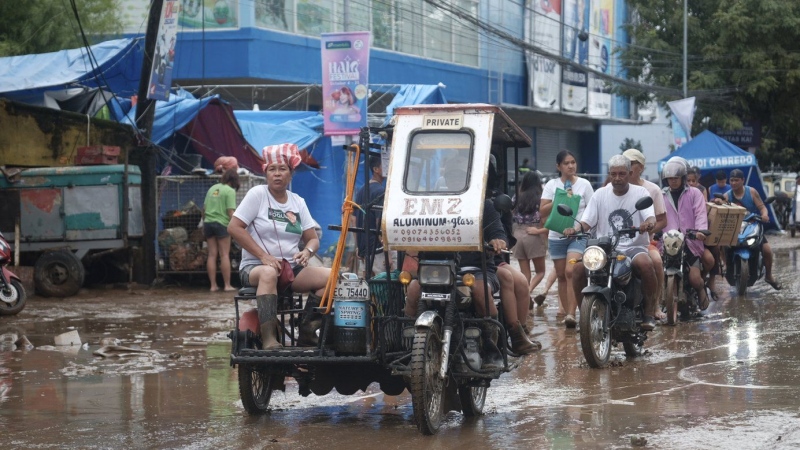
(267, 305)
(492, 359)
(312, 321)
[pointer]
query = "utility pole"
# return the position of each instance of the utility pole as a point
(685, 45)
(145, 112)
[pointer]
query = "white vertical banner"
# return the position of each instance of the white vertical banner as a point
(683, 112)
(164, 56)
(574, 82)
(545, 73)
(601, 26)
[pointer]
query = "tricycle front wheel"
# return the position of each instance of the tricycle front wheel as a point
(255, 389)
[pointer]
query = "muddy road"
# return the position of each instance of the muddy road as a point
(728, 380)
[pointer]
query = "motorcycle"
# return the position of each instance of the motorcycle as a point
(744, 262)
(12, 294)
(612, 308)
(679, 296)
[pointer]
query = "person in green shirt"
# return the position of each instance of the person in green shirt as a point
(218, 208)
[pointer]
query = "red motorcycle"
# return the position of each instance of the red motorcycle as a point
(12, 294)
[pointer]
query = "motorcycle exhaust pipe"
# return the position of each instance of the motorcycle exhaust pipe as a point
(448, 333)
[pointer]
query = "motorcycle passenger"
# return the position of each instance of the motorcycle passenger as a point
(637, 160)
(747, 197)
(686, 209)
(494, 233)
(608, 210)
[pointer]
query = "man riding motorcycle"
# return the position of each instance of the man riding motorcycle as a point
(686, 209)
(608, 210)
(747, 197)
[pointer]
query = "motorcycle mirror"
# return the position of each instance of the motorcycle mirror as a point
(705, 232)
(503, 203)
(564, 210)
(644, 203)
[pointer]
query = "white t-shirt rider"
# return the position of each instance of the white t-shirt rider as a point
(606, 210)
(264, 215)
(581, 187)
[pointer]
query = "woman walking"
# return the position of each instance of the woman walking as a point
(568, 188)
(528, 229)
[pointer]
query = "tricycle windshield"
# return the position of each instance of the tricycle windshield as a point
(438, 161)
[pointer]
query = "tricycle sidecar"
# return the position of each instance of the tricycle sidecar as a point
(365, 336)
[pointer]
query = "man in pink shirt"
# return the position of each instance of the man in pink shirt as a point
(686, 209)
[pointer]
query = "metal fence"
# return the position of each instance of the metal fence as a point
(181, 247)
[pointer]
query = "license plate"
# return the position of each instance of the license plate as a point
(352, 289)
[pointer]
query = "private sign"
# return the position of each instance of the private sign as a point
(443, 121)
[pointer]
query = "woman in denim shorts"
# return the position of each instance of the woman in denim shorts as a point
(564, 249)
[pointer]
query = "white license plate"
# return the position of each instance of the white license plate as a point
(352, 289)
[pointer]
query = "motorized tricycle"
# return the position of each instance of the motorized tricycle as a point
(679, 296)
(365, 336)
(612, 308)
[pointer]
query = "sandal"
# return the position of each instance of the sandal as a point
(539, 299)
(774, 283)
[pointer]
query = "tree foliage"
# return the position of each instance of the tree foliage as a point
(630, 143)
(40, 26)
(743, 64)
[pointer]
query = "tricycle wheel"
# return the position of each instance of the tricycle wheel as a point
(472, 400)
(58, 274)
(255, 389)
(12, 298)
(427, 389)
(595, 338)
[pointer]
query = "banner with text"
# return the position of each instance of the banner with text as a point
(545, 73)
(164, 56)
(574, 82)
(345, 74)
(601, 35)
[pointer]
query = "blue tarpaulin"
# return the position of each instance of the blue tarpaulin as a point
(710, 153)
(415, 94)
(25, 78)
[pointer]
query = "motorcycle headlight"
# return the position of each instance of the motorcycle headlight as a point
(750, 241)
(594, 258)
(435, 275)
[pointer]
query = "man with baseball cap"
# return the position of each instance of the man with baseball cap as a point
(638, 161)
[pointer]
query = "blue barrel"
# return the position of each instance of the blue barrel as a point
(351, 324)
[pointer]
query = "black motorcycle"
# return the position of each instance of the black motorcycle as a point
(612, 308)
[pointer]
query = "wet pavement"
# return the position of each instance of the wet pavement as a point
(728, 380)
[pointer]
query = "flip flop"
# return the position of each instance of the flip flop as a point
(539, 299)
(775, 284)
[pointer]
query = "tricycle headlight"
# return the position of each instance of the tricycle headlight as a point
(434, 275)
(594, 258)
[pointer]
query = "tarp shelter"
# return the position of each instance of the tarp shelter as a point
(710, 153)
(114, 65)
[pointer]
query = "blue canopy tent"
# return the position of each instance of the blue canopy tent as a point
(710, 153)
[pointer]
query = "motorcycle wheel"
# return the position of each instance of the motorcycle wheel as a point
(427, 389)
(255, 389)
(473, 398)
(672, 289)
(58, 274)
(742, 279)
(793, 231)
(595, 343)
(633, 349)
(12, 301)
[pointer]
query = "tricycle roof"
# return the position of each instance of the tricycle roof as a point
(504, 130)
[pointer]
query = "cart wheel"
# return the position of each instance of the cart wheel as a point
(58, 274)
(255, 389)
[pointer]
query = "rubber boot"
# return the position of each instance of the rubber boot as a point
(312, 321)
(520, 344)
(493, 359)
(267, 305)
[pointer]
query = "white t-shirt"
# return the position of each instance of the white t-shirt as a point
(581, 187)
(264, 216)
(607, 210)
